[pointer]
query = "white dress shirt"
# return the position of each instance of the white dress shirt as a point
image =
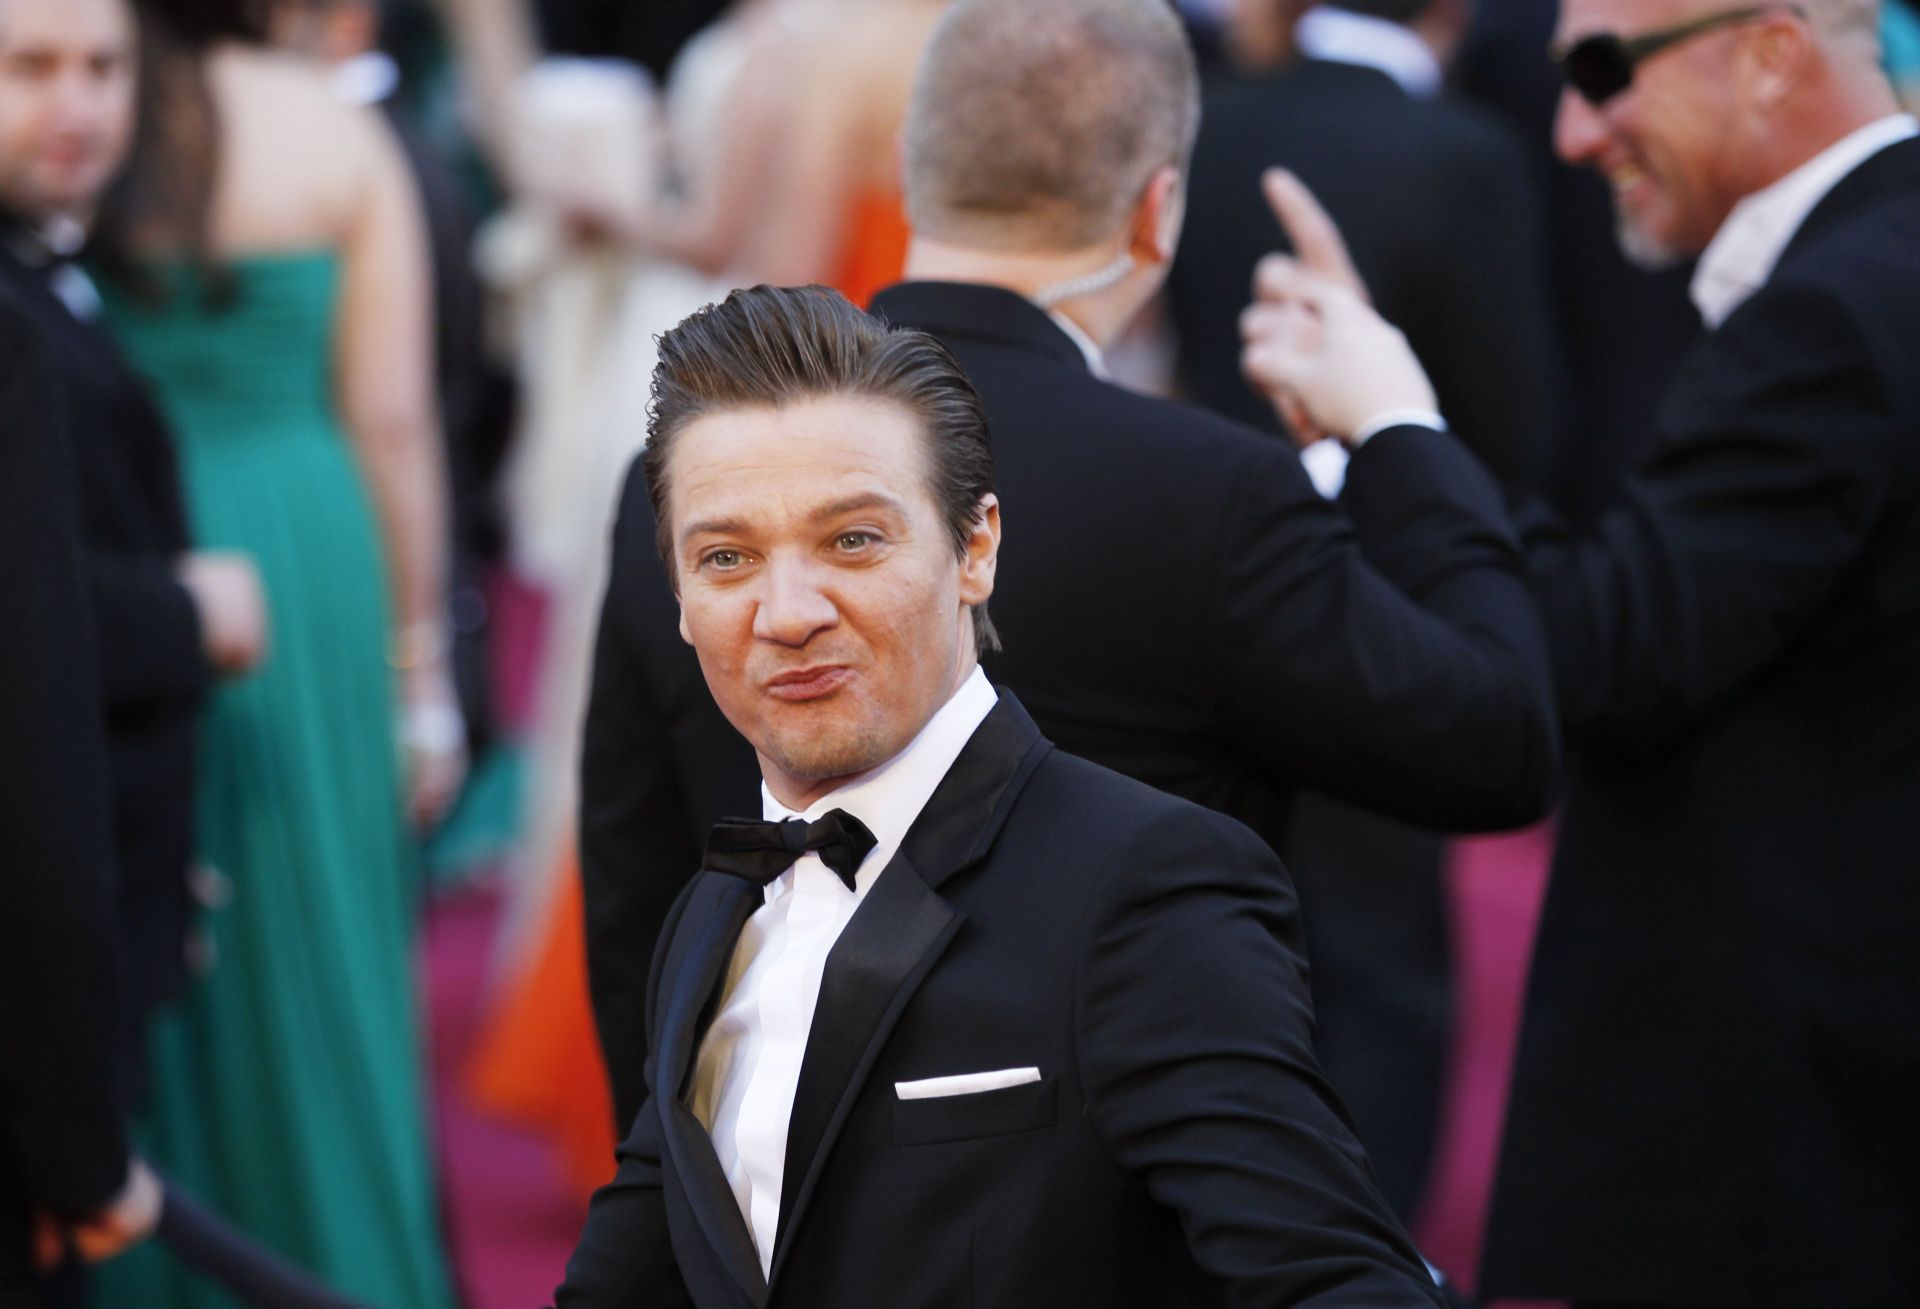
(748, 1069)
(1741, 256)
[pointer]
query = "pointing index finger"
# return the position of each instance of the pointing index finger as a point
(1316, 239)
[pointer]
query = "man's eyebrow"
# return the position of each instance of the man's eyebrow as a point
(712, 527)
(855, 503)
(852, 504)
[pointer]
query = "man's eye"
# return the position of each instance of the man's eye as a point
(848, 542)
(724, 560)
(31, 63)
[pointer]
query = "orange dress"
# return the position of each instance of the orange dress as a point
(875, 249)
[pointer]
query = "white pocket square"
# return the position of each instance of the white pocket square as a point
(933, 1088)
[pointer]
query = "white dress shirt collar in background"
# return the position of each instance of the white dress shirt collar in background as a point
(1741, 256)
(1343, 37)
(747, 1071)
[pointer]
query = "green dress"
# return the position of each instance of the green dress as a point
(286, 1088)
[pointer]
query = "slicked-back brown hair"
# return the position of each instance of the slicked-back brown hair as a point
(1035, 125)
(769, 346)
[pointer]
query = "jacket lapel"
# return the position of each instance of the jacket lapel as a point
(893, 940)
(723, 904)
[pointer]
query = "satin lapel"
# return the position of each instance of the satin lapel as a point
(893, 939)
(724, 905)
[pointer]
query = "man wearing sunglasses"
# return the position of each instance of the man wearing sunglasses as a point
(1717, 1094)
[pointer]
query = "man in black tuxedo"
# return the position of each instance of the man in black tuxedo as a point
(169, 618)
(1186, 609)
(1714, 1097)
(967, 1020)
(65, 1172)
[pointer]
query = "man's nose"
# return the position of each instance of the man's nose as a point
(76, 100)
(793, 605)
(1579, 129)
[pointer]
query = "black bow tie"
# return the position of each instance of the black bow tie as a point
(760, 851)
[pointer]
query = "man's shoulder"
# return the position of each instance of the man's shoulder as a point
(1086, 801)
(1029, 396)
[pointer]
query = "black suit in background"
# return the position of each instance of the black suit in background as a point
(1180, 1149)
(1435, 198)
(1438, 208)
(1714, 1097)
(62, 1146)
(151, 659)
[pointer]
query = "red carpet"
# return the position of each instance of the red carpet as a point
(512, 1217)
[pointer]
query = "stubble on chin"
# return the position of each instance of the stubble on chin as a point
(1642, 248)
(827, 753)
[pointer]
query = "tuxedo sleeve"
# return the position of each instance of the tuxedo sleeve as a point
(1390, 654)
(636, 852)
(1195, 1043)
(1782, 446)
(60, 1131)
(150, 643)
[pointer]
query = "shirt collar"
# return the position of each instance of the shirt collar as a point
(52, 240)
(1090, 348)
(1344, 37)
(890, 797)
(1742, 254)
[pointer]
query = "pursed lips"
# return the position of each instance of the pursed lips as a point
(811, 683)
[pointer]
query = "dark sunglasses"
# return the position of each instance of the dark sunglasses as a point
(1601, 66)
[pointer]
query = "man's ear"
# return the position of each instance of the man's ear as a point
(1778, 55)
(982, 556)
(1155, 231)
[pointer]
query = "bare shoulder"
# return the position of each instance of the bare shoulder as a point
(297, 156)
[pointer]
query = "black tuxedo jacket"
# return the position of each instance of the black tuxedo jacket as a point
(1179, 1149)
(1714, 1101)
(1438, 207)
(153, 670)
(61, 1143)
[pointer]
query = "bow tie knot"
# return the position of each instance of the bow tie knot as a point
(760, 850)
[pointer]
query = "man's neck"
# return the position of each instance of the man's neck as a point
(1102, 314)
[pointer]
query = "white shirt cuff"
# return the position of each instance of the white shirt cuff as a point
(1395, 418)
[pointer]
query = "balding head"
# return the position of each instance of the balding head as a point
(1036, 126)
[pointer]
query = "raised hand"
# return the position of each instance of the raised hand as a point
(1310, 341)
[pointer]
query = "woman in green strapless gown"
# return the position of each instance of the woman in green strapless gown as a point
(286, 1086)
(286, 1090)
